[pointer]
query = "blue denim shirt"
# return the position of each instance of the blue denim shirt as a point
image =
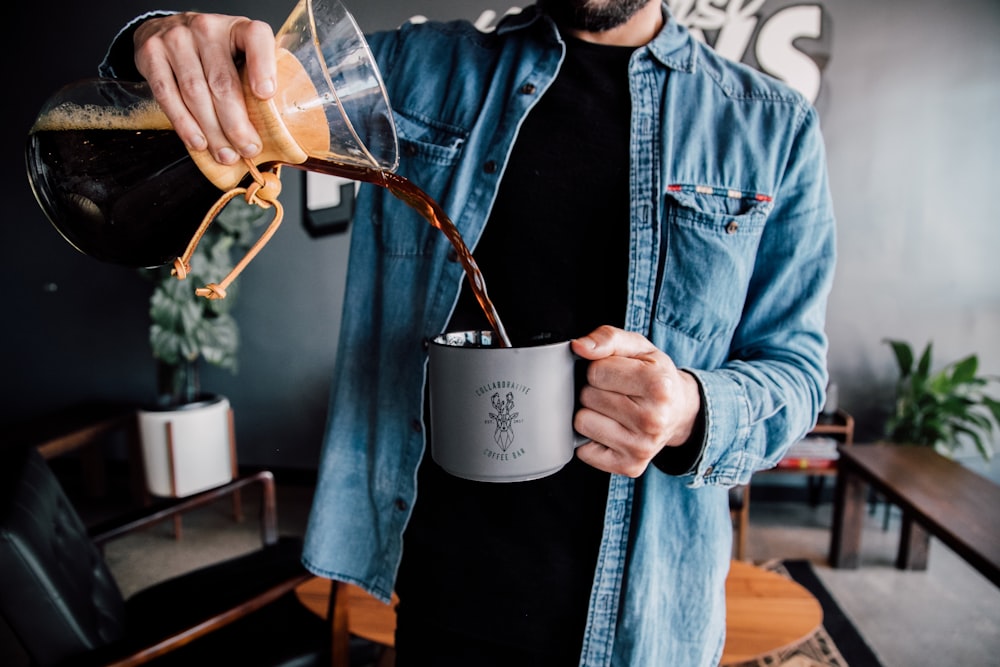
(732, 258)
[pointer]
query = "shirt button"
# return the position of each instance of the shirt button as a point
(409, 149)
(452, 255)
(417, 425)
(732, 227)
(490, 167)
(400, 504)
(528, 89)
(708, 471)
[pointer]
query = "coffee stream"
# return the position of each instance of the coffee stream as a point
(423, 204)
(142, 210)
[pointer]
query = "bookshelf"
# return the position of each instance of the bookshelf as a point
(816, 454)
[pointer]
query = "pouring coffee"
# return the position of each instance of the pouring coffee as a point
(115, 180)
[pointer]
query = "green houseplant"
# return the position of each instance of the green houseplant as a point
(187, 438)
(943, 408)
(186, 329)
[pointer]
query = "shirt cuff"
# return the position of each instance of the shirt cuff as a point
(119, 61)
(683, 459)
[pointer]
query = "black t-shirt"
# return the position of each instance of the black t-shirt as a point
(513, 564)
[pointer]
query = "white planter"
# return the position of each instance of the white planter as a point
(188, 449)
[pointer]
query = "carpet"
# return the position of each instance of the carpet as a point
(837, 643)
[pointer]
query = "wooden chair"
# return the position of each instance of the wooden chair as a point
(353, 615)
(60, 604)
(739, 512)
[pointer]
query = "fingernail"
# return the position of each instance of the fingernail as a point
(587, 341)
(250, 150)
(267, 87)
(199, 143)
(227, 156)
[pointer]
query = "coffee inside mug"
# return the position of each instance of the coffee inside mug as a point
(502, 414)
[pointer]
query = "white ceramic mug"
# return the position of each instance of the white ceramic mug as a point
(502, 414)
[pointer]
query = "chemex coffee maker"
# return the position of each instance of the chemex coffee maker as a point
(118, 184)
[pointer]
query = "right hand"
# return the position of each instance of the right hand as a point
(190, 61)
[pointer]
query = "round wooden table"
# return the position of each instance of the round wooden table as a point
(765, 612)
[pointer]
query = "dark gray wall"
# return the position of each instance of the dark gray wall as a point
(908, 101)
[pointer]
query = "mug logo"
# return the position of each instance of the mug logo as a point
(504, 418)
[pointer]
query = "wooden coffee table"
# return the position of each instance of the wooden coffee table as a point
(937, 495)
(765, 612)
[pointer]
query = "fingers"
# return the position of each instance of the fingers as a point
(606, 341)
(610, 460)
(635, 402)
(189, 61)
(256, 40)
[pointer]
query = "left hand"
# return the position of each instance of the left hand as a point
(635, 402)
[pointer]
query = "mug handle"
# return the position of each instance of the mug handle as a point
(579, 379)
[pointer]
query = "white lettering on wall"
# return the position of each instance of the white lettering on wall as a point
(776, 52)
(729, 25)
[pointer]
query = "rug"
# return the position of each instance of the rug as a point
(836, 643)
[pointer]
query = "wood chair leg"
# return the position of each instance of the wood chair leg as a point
(237, 497)
(339, 635)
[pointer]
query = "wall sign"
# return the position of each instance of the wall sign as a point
(788, 40)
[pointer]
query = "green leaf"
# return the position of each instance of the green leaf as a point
(904, 356)
(965, 370)
(924, 365)
(943, 409)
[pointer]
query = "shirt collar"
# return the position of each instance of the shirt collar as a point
(673, 46)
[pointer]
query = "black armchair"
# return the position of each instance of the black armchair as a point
(61, 605)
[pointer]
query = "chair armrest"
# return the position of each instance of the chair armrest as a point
(178, 611)
(211, 624)
(161, 511)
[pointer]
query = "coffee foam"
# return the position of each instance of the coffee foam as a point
(71, 116)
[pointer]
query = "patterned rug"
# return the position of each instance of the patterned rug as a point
(837, 643)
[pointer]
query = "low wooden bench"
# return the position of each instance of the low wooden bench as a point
(937, 496)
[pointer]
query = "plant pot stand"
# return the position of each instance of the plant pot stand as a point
(188, 450)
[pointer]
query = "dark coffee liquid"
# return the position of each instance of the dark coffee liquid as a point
(127, 196)
(423, 204)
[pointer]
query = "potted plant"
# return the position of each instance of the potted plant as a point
(187, 436)
(943, 409)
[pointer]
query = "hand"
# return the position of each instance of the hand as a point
(635, 403)
(189, 61)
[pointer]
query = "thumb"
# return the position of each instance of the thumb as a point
(607, 341)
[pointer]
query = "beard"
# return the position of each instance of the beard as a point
(591, 15)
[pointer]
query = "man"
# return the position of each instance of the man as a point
(663, 206)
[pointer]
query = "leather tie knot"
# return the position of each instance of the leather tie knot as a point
(211, 291)
(262, 192)
(180, 269)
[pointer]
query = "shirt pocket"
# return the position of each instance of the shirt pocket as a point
(712, 235)
(428, 154)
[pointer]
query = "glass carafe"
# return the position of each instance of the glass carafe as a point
(115, 180)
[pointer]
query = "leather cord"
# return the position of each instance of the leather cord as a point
(262, 192)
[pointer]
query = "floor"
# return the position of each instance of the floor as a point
(947, 615)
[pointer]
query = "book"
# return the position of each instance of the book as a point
(811, 452)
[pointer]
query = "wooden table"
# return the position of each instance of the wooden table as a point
(938, 497)
(765, 612)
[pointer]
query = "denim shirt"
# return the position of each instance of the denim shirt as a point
(732, 256)
(731, 260)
